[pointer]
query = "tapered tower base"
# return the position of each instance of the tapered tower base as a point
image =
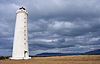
(20, 58)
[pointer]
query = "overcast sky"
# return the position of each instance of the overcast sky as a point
(55, 26)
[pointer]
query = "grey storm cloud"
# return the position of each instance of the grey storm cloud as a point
(63, 8)
(67, 26)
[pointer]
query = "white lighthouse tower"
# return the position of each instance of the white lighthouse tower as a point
(20, 44)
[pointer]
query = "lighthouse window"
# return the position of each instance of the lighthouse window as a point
(24, 34)
(24, 22)
(24, 26)
(24, 38)
(24, 18)
(24, 30)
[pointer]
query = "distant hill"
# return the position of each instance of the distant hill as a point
(63, 54)
(57, 54)
(93, 52)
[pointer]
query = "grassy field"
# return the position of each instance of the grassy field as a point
(75, 59)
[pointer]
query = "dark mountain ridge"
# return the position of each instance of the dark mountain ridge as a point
(95, 52)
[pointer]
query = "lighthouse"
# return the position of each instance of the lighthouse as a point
(20, 43)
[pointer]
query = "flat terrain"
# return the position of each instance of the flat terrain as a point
(76, 59)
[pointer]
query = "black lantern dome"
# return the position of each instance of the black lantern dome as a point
(22, 8)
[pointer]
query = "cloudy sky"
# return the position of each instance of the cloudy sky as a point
(55, 26)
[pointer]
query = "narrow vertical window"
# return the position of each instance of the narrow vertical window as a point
(24, 18)
(24, 30)
(24, 26)
(24, 38)
(24, 34)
